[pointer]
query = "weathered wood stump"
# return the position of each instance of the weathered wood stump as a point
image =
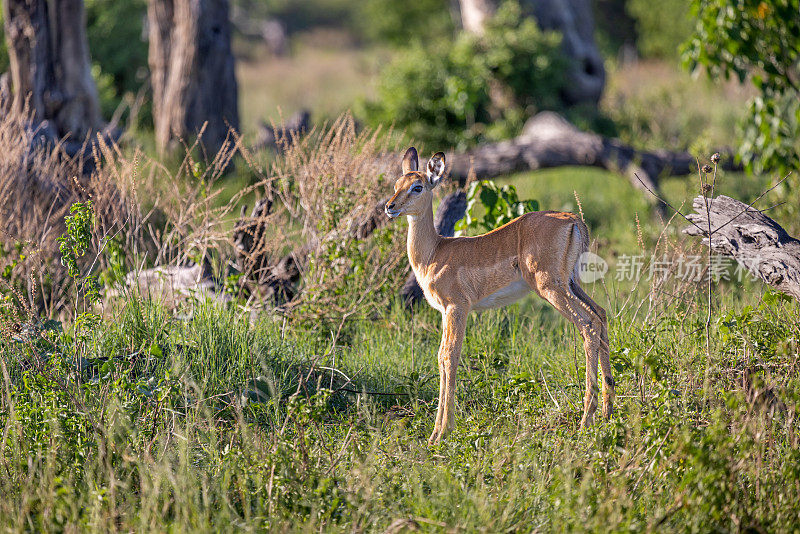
(755, 241)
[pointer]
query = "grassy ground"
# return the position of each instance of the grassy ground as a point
(214, 423)
(209, 420)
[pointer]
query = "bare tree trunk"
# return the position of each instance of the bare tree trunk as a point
(192, 71)
(474, 14)
(80, 111)
(575, 20)
(50, 66)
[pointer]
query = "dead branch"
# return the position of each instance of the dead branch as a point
(549, 140)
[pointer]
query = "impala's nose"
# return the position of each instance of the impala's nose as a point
(390, 211)
(390, 206)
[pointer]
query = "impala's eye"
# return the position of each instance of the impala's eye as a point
(416, 189)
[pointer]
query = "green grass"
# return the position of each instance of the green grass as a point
(176, 447)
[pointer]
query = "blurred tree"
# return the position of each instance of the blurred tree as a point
(615, 28)
(476, 88)
(759, 41)
(192, 71)
(49, 64)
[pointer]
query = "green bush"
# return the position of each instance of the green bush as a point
(399, 23)
(661, 26)
(499, 205)
(757, 41)
(118, 47)
(457, 94)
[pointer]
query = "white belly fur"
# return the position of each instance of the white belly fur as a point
(508, 295)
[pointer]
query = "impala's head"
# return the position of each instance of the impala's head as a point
(412, 191)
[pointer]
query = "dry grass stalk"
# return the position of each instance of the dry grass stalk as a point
(330, 182)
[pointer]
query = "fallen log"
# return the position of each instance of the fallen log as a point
(755, 241)
(549, 140)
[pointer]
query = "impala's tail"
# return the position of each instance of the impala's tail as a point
(579, 243)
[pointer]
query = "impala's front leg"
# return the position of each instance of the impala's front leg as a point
(454, 321)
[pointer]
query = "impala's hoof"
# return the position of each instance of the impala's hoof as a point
(435, 437)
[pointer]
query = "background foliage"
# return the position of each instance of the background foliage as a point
(756, 41)
(118, 47)
(441, 92)
(661, 27)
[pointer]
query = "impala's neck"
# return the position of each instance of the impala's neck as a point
(422, 238)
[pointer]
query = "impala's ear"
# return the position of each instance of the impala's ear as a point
(436, 169)
(410, 161)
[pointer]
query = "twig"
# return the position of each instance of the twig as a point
(364, 392)
(667, 203)
(548, 390)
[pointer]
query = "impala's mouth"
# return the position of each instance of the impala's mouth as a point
(391, 213)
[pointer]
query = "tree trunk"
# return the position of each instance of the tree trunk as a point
(192, 72)
(575, 20)
(50, 66)
(474, 14)
(755, 241)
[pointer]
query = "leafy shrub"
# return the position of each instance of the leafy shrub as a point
(38, 185)
(399, 23)
(118, 48)
(759, 41)
(500, 204)
(455, 94)
(661, 26)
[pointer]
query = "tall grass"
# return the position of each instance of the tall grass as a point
(217, 423)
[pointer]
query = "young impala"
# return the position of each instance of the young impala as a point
(539, 251)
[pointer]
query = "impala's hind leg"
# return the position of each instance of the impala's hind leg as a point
(609, 391)
(590, 326)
